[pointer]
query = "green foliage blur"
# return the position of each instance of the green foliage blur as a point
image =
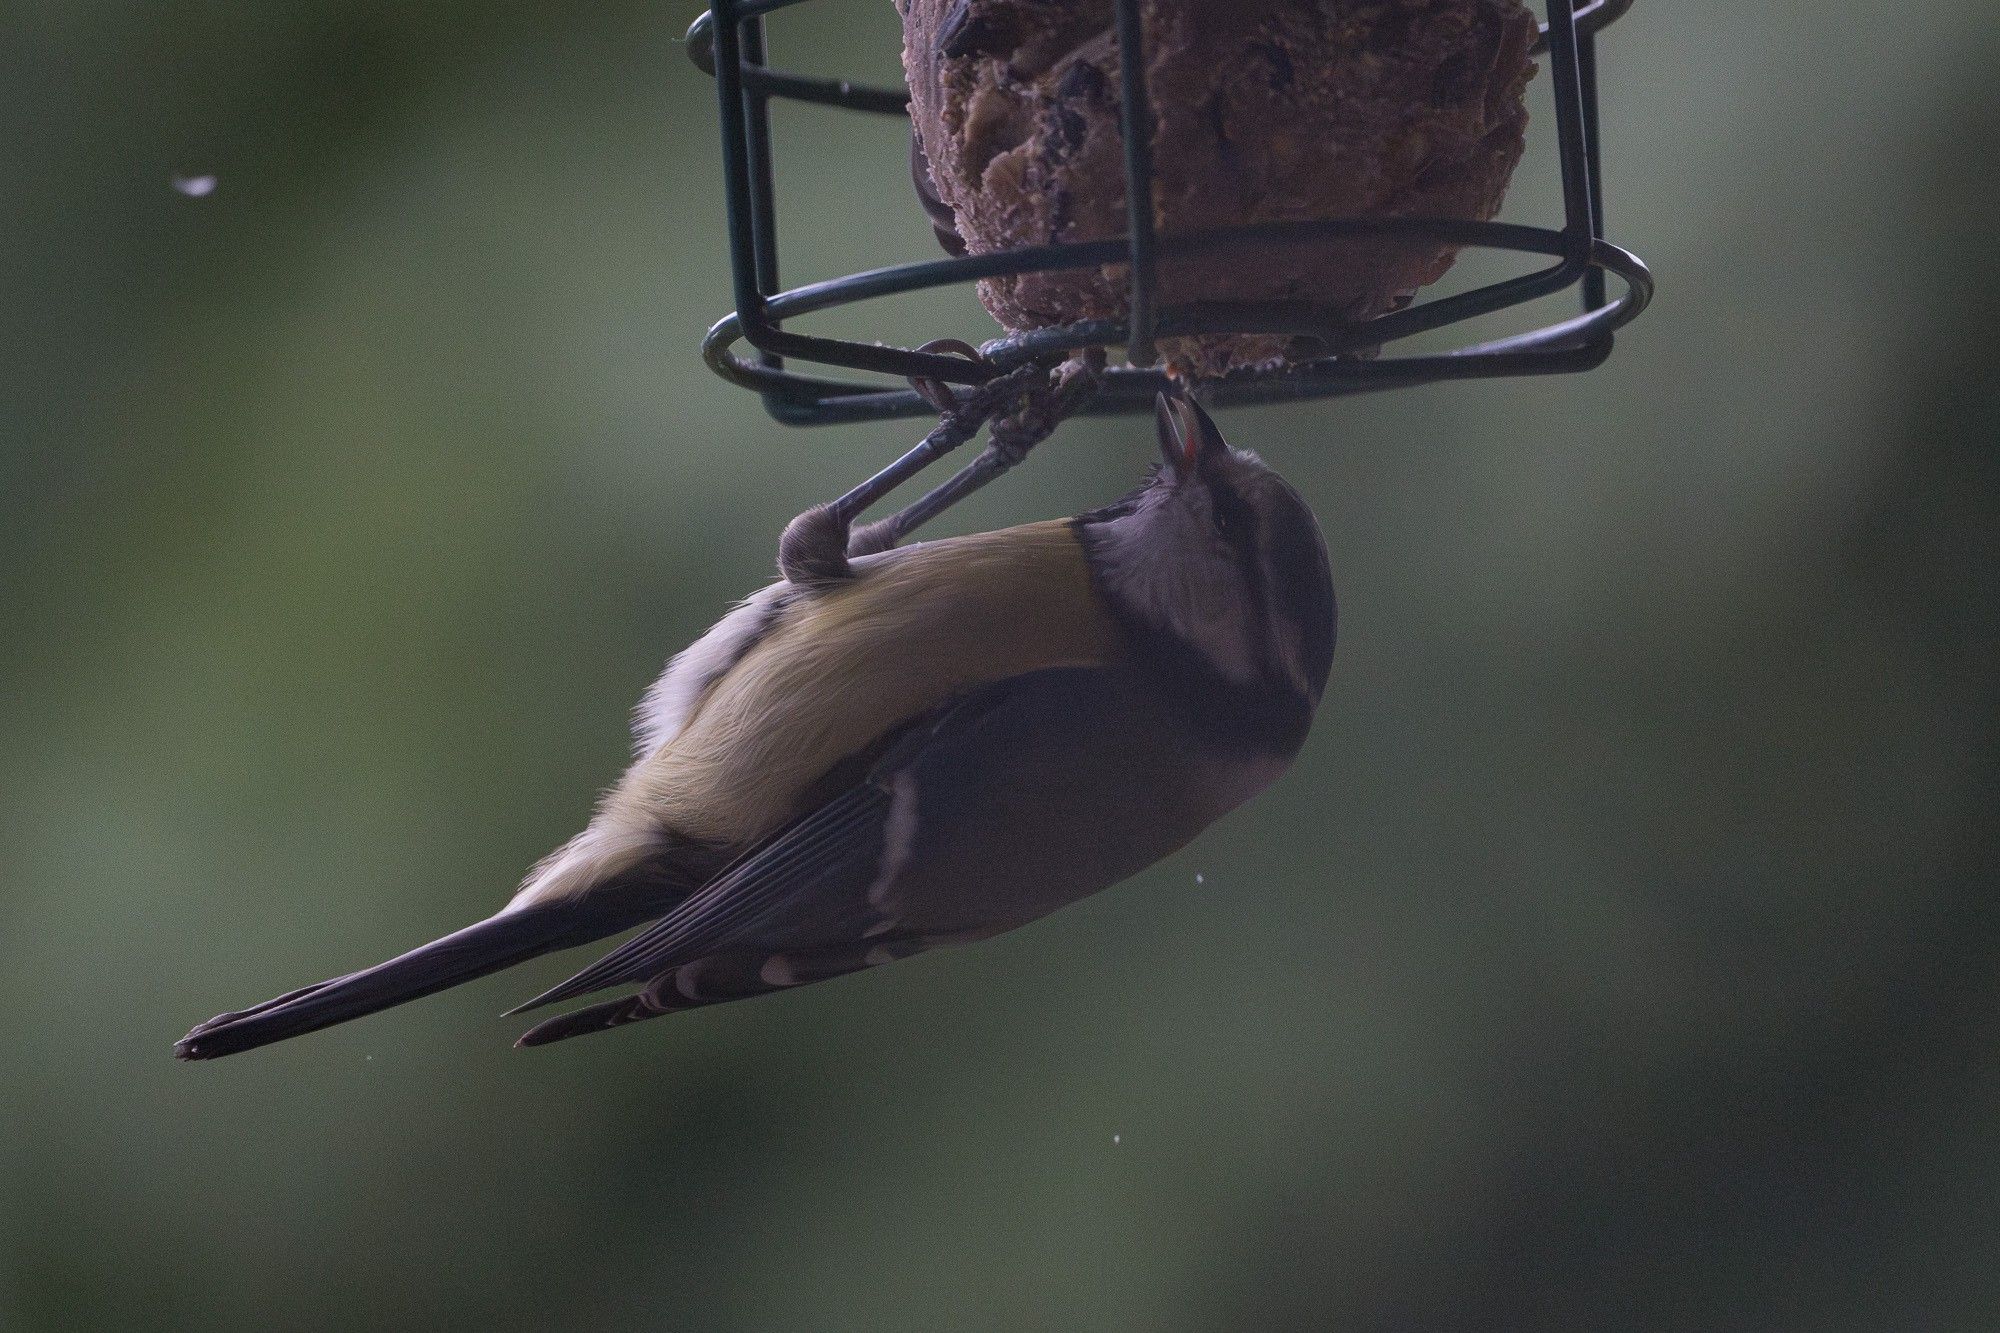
(1620, 954)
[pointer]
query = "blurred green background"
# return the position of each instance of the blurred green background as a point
(1620, 954)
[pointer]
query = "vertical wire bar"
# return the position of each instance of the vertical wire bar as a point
(736, 166)
(1586, 51)
(1137, 117)
(1571, 144)
(763, 208)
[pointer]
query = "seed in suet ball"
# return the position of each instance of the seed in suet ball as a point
(1263, 111)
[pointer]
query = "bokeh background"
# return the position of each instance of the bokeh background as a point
(1620, 954)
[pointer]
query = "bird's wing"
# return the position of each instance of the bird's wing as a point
(805, 883)
(761, 893)
(1019, 797)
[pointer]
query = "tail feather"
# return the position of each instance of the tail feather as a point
(717, 979)
(487, 946)
(591, 1018)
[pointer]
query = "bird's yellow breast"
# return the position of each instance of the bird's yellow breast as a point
(846, 664)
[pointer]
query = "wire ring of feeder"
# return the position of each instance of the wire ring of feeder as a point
(934, 391)
(728, 42)
(700, 39)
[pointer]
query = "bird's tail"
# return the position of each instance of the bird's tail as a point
(488, 946)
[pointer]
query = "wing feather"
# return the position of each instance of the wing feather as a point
(906, 858)
(771, 881)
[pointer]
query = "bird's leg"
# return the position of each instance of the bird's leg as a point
(816, 545)
(1014, 435)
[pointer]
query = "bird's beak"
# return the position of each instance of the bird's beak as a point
(1188, 435)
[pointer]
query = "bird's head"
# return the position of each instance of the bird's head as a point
(1218, 551)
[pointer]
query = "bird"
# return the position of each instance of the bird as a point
(948, 740)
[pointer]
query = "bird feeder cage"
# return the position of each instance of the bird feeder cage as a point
(806, 379)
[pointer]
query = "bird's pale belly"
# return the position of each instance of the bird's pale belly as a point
(844, 667)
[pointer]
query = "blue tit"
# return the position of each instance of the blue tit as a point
(953, 739)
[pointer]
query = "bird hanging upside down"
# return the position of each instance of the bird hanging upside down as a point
(959, 737)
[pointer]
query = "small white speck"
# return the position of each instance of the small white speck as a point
(195, 187)
(368, 1057)
(1198, 879)
(1114, 1140)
